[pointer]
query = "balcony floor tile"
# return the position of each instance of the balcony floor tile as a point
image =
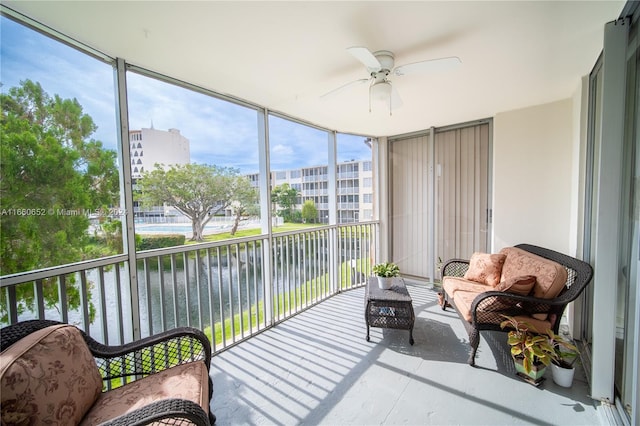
(317, 368)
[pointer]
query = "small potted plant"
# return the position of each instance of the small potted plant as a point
(531, 352)
(562, 364)
(385, 273)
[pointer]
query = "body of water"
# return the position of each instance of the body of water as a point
(187, 291)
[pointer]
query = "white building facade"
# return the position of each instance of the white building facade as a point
(354, 189)
(150, 146)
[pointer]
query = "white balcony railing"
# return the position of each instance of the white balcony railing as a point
(348, 206)
(230, 289)
(349, 190)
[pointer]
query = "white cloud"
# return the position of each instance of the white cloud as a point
(61, 71)
(219, 132)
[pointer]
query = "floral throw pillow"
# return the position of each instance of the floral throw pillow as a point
(49, 377)
(522, 285)
(485, 268)
(518, 285)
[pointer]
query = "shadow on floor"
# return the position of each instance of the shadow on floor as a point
(434, 341)
(318, 368)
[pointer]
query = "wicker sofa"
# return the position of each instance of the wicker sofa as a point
(54, 373)
(530, 283)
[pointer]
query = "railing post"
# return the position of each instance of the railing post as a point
(334, 240)
(12, 304)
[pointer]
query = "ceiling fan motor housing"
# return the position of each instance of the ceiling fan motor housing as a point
(386, 60)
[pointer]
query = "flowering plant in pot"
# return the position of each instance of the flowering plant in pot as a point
(385, 272)
(531, 352)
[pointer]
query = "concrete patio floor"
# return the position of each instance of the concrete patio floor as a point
(317, 368)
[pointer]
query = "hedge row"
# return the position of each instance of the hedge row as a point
(150, 242)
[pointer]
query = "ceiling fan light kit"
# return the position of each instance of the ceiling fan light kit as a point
(380, 93)
(380, 64)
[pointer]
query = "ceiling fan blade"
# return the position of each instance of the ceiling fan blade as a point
(442, 64)
(365, 56)
(343, 87)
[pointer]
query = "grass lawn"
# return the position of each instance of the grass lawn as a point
(255, 231)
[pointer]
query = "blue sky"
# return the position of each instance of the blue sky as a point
(220, 132)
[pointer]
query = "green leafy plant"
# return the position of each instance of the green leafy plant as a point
(439, 264)
(387, 269)
(527, 344)
(537, 348)
(565, 352)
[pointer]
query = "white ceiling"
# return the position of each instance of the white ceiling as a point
(285, 55)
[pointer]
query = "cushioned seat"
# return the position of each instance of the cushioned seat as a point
(530, 283)
(463, 301)
(452, 284)
(53, 373)
(187, 381)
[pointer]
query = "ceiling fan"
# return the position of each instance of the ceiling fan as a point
(380, 65)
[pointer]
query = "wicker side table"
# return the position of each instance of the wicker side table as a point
(392, 308)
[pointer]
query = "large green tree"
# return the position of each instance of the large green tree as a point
(284, 196)
(53, 173)
(199, 191)
(309, 211)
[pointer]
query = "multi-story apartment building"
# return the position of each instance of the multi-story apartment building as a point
(149, 147)
(354, 189)
(354, 178)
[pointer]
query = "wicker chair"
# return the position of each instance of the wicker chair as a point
(484, 316)
(133, 361)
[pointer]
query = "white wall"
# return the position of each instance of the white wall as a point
(533, 152)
